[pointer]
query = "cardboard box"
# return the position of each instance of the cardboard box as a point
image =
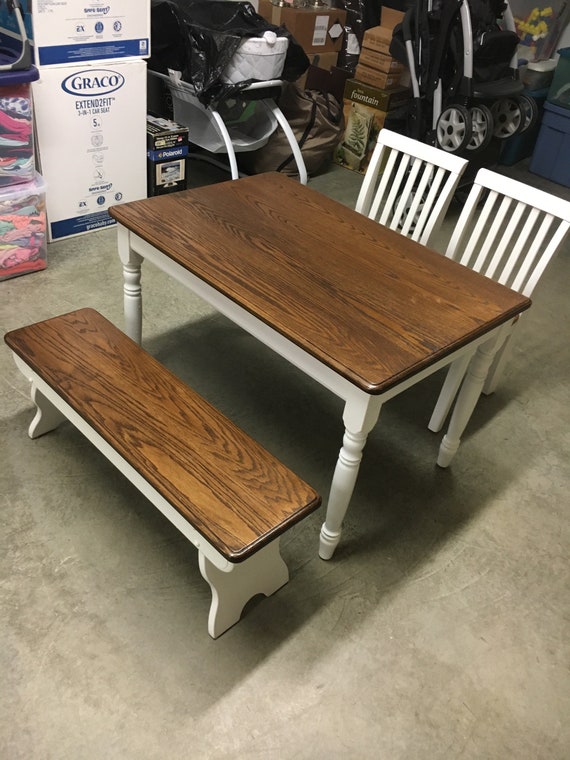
(365, 112)
(323, 61)
(379, 37)
(379, 61)
(91, 140)
(167, 151)
(381, 79)
(75, 31)
(390, 17)
(317, 30)
(381, 100)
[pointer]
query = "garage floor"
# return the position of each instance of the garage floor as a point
(438, 631)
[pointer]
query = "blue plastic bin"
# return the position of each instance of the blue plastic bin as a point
(551, 154)
(559, 92)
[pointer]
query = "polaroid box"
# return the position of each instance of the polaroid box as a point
(167, 151)
(317, 30)
(365, 112)
(91, 141)
(75, 31)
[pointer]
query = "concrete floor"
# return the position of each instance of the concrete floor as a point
(438, 631)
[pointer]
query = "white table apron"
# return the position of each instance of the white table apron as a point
(361, 409)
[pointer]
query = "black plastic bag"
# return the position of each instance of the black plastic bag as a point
(199, 38)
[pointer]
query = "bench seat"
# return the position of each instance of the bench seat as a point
(229, 496)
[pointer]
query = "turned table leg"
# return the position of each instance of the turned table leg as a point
(360, 415)
(132, 290)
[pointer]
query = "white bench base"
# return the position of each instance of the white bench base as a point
(232, 584)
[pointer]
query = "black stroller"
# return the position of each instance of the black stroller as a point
(462, 57)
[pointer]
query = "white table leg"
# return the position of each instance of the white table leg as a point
(360, 415)
(132, 289)
(468, 397)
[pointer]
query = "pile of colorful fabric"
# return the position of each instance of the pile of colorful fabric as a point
(16, 135)
(22, 230)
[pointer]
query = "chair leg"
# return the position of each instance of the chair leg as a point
(497, 367)
(263, 573)
(455, 375)
(466, 400)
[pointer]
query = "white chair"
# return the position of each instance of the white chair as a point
(408, 185)
(509, 232)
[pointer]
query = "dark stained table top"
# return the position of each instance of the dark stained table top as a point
(371, 304)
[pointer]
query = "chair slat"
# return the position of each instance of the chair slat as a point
(522, 228)
(408, 185)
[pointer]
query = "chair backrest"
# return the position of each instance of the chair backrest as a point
(408, 185)
(508, 230)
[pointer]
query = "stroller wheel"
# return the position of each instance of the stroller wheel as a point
(453, 129)
(508, 117)
(529, 110)
(481, 127)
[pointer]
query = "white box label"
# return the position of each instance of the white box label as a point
(75, 31)
(320, 30)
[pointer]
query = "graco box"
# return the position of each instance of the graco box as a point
(550, 156)
(23, 228)
(76, 31)
(91, 139)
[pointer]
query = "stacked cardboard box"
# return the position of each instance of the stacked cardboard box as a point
(375, 91)
(376, 66)
(317, 29)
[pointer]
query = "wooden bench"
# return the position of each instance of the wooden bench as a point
(225, 492)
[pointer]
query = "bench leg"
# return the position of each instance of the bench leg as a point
(47, 417)
(263, 573)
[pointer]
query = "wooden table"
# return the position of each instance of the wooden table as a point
(361, 309)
